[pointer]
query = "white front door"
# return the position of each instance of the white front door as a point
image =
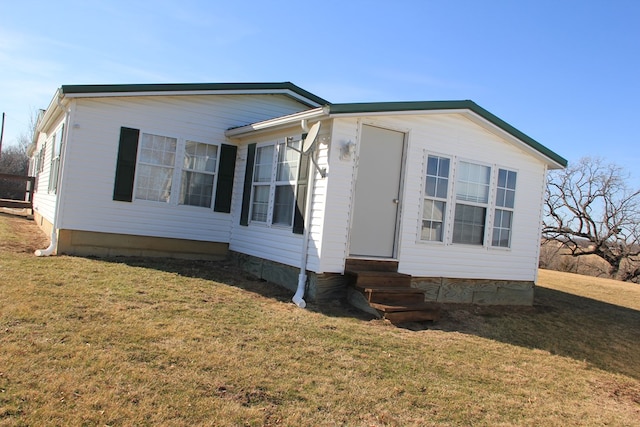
(377, 193)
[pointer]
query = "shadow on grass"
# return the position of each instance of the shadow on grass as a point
(605, 336)
(229, 273)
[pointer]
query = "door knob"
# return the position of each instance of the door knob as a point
(396, 201)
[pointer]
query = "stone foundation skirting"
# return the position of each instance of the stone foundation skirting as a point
(475, 291)
(319, 287)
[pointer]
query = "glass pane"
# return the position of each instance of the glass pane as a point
(502, 228)
(506, 219)
(260, 203)
(468, 225)
(431, 230)
(431, 186)
(495, 239)
(432, 166)
(283, 205)
(196, 189)
(511, 180)
(501, 238)
(200, 157)
(153, 183)
(510, 196)
(264, 164)
(158, 150)
(433, 210)
(502, 178)
(288, 160)
(437, 177)
(473, 183)
(500, 196)
(441, 190)
(444, 168)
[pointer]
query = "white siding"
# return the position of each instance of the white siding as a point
(44, 202)
(275, 243)
(339, 197)
(91, 156)
(456, 136)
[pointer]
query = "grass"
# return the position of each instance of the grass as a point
(130, 341)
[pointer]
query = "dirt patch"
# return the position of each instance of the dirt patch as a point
(24, 234)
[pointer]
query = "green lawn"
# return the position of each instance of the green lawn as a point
(132, 341)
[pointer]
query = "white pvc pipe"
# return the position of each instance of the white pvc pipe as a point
(298, 298)
(52, 246)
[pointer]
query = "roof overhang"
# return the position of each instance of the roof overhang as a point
(179, 89)
(278, 123)
(56, 107)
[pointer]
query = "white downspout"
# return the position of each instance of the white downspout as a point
(54, 231)
(298, 298)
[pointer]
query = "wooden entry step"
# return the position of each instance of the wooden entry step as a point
(409, 313)
(387, 292)
(359, 264)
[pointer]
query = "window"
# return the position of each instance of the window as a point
(155, 167)
(275, 172)
(198, 173)
(472, 199)
(54, 171)
(505, 201)
(481, 204)
(435, 198)
(173, 170)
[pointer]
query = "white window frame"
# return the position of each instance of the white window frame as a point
(195, 171)
(451, 201)
(54, 165)
(472, 203)
(176, 170)
(500, 207)
(274, 183)
(445, 200)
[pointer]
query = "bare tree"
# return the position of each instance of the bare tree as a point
(15, 160)
(591, 210)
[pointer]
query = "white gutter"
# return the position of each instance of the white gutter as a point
(273, 124)
(54, 230)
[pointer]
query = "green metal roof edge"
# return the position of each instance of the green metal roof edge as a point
(185, 87)
(382, 107)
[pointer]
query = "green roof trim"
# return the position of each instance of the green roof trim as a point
(390, 107)
(187, 87)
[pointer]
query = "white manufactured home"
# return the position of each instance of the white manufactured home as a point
(294, 187)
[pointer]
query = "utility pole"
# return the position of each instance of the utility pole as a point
(2, 134)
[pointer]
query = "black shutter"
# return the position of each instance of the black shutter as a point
(226, 169)
(126, 165)
(301, 193)
(248, 180)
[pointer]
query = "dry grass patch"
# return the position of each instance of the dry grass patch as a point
(131, 341)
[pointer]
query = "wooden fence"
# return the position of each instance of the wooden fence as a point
(29, 185)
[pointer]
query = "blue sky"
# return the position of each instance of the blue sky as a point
(564, 72)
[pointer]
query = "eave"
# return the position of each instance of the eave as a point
(177, 89)
(467, 108)
(420, 107)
